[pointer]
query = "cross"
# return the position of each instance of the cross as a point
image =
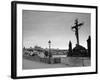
(76, 28)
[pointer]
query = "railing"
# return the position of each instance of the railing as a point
(44, 60)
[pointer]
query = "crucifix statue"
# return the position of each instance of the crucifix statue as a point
(75, 28)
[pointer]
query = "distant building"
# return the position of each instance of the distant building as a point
(38, 48)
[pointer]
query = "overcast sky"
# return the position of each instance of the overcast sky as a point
(41, 26)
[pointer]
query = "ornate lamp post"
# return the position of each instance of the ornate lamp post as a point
(49, 42)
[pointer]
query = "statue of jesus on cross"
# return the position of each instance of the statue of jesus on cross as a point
(75, 28)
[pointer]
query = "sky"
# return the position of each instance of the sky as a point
(38, 27)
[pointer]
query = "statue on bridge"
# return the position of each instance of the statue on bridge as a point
(78, 50)
(75, 28)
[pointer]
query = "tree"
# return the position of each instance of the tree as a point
(46, 53)
(89, 46)
(70, 48)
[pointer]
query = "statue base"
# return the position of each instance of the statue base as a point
(78, 51)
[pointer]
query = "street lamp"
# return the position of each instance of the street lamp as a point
(49, 42)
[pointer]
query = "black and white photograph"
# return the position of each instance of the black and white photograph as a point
(56, 39)
(53, 39)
